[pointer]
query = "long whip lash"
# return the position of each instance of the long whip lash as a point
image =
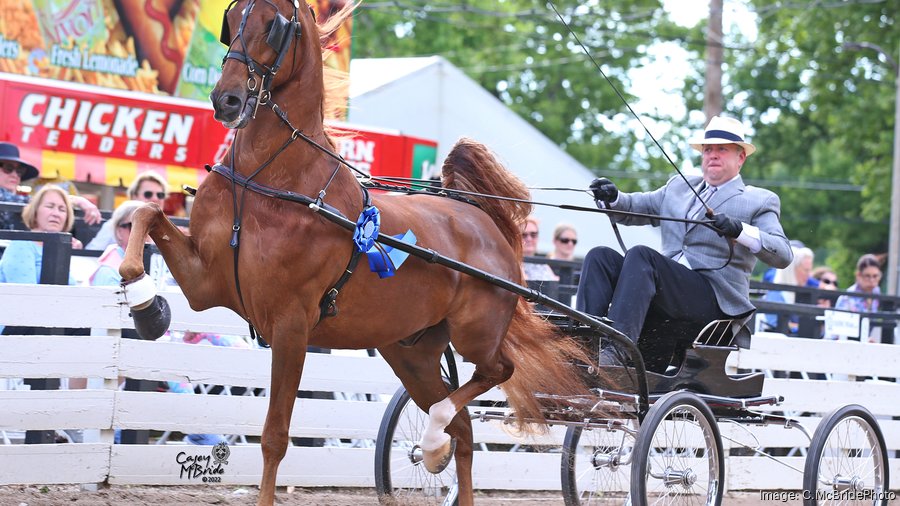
(584, 48)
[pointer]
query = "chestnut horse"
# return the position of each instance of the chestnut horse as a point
(271, 260)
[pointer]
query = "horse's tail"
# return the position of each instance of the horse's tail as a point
(545, 362)
(472, 167)
(543, 358)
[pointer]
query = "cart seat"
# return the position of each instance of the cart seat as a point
(675, 361)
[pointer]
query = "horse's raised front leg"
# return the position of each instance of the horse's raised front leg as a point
(288, 356)
(151, 312)
(177, 249)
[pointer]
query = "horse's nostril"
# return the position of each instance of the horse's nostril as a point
(231, 101)
(228, 106)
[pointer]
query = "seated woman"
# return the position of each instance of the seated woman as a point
(107, 273)
(795, 274)
(533, 271)
(49, 211)
(868, 276)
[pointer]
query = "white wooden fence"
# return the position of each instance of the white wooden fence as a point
(105, 357)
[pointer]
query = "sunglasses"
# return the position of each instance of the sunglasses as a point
(529, 235)
(826, 281)
(567, 240)
(149, 195)
(9, 169)
(125, 225)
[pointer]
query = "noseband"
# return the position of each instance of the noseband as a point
(279, 39)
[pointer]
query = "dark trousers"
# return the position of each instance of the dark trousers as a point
(652, 285)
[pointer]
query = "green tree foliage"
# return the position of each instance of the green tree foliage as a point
(824, 119)
(520, 52)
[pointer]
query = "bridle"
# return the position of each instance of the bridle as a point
(279, 39)
(259, 85)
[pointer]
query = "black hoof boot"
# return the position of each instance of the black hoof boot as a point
(152, 321)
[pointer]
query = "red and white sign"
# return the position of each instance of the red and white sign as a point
(99, 131)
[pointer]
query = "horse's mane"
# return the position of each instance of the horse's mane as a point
(471, 166)
(335, 80)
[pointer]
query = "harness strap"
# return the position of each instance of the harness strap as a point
(327, 306)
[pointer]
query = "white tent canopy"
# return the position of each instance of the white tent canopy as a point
(430, 98)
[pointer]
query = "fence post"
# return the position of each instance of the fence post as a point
(806, 326)
(56, 257)
(140, 437)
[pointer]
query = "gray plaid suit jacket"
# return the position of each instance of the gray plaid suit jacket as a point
(703, 248)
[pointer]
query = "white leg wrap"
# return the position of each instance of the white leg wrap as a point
(439, 417)
(139, 291)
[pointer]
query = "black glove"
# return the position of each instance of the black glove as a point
(729, 227)
(604, 190)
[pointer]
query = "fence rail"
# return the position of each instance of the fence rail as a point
(349, 422)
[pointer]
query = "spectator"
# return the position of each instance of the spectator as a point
(14, 170)
(795, 274)
(107, 272)
(564, 240)
(49, 211)
(698, 277)
(828, 280)
(148, 186)
(534, 271)
(868, 276)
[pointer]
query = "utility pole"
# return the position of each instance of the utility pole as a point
(712, 96)
(893, 270)
(894, 241)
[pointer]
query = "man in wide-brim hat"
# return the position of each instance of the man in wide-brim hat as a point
(701, 274)
(14, 170)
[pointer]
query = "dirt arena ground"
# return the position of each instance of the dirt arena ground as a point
(58, 495)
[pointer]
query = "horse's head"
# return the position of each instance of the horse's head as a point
(262, 36)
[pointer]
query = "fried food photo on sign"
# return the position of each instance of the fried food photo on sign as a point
(162, 33)
(18, 23)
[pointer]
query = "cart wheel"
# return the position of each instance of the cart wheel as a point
(847, 462)
(400, 474)
(678, 456)
(596, 463)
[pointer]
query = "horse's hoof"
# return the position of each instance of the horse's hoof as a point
(437, 460)
(152, 321)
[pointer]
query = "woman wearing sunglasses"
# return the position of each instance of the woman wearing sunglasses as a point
(148, 186)
(533, 271)
(564, 240)
(828, 280)
(107, 272)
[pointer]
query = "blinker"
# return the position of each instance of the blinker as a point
(225, 34)
(279, 30)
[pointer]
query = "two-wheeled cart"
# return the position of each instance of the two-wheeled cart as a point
(655, 439)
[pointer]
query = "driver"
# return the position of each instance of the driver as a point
(698, 277)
